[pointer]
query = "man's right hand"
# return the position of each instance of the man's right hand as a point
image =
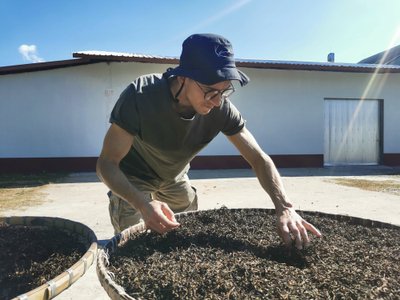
(158, 216)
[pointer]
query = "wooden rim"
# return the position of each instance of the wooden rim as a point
(63, 281)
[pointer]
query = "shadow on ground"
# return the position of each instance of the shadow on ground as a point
(299, 172)
(21, 180)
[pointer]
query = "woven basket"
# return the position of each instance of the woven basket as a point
(116, 291)
(58, 284)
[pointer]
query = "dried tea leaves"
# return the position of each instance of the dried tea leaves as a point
(31, 256)
(236, 254)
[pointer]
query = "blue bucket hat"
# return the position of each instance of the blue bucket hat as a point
(208, 59)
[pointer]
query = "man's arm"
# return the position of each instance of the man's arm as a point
(117, 143)
(289, 222)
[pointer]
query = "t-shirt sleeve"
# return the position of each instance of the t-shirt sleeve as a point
(125, 113)
(234, 121)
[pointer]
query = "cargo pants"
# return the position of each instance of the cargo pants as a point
(178, 194)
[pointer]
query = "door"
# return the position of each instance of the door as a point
(352, 132)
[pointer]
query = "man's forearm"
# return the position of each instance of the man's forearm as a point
(116, 180)
(271, 182)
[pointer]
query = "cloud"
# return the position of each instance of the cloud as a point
(29, 53)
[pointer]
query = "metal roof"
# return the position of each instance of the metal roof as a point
(246, 63)
(90, 57)
(388, 57)
(34, 67)
(119, 55)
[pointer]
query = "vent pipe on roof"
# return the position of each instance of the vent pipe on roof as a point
(331, 57)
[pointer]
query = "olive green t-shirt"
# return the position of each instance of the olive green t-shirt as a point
(165, 143)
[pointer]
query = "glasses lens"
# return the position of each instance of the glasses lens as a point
(211, 95)
(227, 93)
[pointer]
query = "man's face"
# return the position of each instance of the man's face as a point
(203, 98)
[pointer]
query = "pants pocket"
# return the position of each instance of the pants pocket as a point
(194, 204)
(113, 210)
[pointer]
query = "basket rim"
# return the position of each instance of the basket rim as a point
(61, 282)
(115, 291)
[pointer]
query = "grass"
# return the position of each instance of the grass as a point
(20, 191)
(33, 180)
(385, 186)
(20, 198)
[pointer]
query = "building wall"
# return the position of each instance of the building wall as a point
(51, 113)
(64, 112)
(285, 109)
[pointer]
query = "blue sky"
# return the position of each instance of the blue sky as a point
(297, 30)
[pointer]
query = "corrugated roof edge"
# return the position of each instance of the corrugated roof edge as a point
(90, 57)
(34, 67)
(247, 63)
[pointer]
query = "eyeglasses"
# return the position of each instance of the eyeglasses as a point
(212, 93)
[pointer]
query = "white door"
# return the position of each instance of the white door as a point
(352, 133)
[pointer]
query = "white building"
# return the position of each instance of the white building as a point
(54, 115)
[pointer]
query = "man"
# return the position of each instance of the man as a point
(160, 122)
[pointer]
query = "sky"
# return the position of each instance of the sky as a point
(285, 30)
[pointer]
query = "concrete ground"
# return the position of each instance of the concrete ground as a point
(81, 197)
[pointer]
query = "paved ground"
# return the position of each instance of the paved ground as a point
(82, 198)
